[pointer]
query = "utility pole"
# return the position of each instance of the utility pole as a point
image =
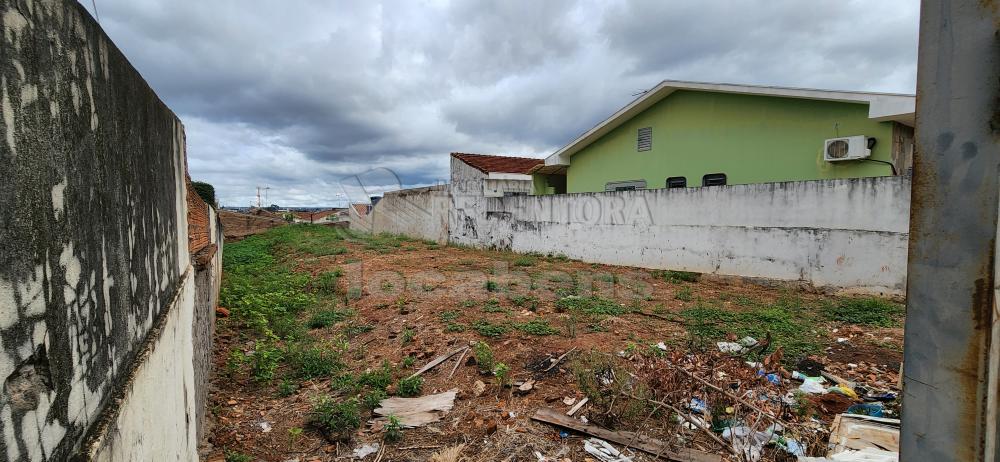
(952, 340)
(259, 189)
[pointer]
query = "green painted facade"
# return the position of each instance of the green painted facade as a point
(750, 138)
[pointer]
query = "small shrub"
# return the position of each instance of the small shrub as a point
(491, 286)
(407, 336)
(393, 430)
(502, 373)
(408, 362)
(373, 398)
(264, 361)
(337, 420)
(524, 300)
(287, 388)
(488, 329)
(410, 386)
(536, 327)
(484, 356)
(684, 295)
(379, 378)
(309, 362)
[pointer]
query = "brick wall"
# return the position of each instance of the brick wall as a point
(238, 225)
(198, 227)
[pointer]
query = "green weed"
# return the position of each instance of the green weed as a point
(488, 329)
(873, 312)
(337, 420)
(536, 327)
(410, 386)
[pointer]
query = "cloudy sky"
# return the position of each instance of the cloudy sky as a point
(298, 94)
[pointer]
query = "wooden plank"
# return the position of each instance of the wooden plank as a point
(578, 406)
(436, 361)
(629, 439)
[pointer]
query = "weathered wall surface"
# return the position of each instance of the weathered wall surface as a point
(96, 252)
(418, 212)
(238, 225)
(848, 234)
(468, 204)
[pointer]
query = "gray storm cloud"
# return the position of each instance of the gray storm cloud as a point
(297, 95)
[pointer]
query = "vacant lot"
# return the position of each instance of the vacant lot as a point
(324, 324)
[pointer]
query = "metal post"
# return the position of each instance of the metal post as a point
(950, 381)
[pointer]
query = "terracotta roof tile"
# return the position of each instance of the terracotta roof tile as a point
(499, 164)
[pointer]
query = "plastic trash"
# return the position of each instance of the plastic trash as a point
(698, 406)
(772, 377)
(881, 397)
(812, 387)
(868, 409)
(795, 448)
(604, 451)
(843, 390)
(800, 376)
(729, 347)
(365, 451)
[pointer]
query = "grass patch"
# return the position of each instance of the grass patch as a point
(676, 276)
(591, 306)
(327, 318)
(378, 379)
(536, 327)
(449, 316)
(454, 327)
(522, 301)
(790, 324)
(872, 312)
(488, 329)
(493, 306)
(684, 294)
(525, 261)
(313, 361)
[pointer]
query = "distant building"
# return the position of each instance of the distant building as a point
(492, 176)
(686, 134)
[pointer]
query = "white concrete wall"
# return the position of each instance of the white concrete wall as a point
(849, 235)
(156, 418)
(467, 203)
(418, 212)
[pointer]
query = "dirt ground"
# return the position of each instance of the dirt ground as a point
(418, 299)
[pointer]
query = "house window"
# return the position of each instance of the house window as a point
(714, 179)
(625, 185)
(645, 139)
(677, 182)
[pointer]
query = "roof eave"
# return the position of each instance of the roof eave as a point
(882, 107)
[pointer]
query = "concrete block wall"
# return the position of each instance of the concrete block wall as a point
(104, 299)
(848, 235)
(418, 212)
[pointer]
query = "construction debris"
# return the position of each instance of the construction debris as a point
(604, 451)
(364, 451)
(438, 360)
(416, 412)
(577, 407)
(629, 439)
(851, 432)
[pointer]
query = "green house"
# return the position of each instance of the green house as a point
(691, 134)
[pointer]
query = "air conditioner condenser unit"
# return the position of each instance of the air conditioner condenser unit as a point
(846, 148)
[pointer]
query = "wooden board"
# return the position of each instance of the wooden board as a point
(629, 439)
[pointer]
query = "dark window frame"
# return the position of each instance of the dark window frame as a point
(626, 185)
(681, 184)
(713, 179)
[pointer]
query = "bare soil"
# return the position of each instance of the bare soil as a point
(410, 287)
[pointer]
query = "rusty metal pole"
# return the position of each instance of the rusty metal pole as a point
(950, 381)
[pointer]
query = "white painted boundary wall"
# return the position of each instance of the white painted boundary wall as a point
(848, 235)
(418, 212)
